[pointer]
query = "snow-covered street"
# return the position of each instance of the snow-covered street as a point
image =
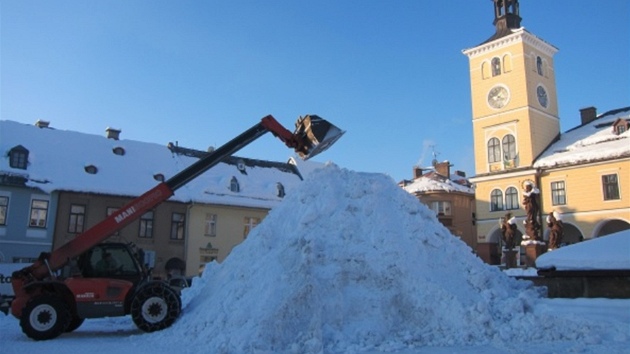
(119, 335)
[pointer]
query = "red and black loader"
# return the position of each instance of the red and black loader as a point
(64, 287)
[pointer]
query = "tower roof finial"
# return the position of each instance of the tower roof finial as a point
(506, 15)
(506, 18)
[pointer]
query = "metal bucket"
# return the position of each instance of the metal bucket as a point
(316, 135)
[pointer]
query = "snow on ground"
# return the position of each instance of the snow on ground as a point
(351, 263)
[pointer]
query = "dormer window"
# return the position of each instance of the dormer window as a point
(120, 151)
(234, 185)
(18, 157)
(620, 126)
(91, 169)
(280, 189)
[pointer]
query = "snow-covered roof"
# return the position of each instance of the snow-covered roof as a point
(434, 182)
(602, 253)
(590, 142)
(58, 158)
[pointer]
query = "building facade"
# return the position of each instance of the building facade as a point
(56, 184)
(517, 140)
(160, 232)
(450, 196)
(25, 220)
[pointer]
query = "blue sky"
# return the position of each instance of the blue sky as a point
(390, 73)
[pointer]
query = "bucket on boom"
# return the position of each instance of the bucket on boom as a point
(316, 134)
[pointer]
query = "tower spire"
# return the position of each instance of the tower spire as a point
(506, 18)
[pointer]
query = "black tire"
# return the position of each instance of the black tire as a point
(45, 317)
(155, 306)
(75, 322)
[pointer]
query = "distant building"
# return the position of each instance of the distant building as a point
(56, 184)
(584, 173)
(450, 196)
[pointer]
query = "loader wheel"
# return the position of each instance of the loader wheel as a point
(155, 306)
(75, 323)
(45, 317)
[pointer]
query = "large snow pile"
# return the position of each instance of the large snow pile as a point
(350, 262)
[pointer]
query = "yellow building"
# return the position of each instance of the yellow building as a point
(584, 174)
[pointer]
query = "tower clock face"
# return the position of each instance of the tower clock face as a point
(542, 96)
(498, 97)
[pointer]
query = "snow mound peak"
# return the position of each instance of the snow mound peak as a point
(350, 262)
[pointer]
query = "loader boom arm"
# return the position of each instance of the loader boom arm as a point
(137, 207)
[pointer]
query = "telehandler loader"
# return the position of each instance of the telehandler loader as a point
(64, 287)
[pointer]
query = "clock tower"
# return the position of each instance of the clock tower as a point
(515, 118)
(513, 87)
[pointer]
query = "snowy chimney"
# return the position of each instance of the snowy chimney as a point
(112, 133)
(443, 168)
(588, 114)
(42, 123)
(417, 172)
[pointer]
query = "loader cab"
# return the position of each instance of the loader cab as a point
(111, 260)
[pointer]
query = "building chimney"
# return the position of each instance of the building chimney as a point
(417, 172)
(588, 114)
(42, 123)
(112, 133)
(443, 168)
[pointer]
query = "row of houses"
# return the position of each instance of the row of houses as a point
(55, 184)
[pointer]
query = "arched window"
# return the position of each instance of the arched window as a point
(509, 147)
(496, 200)
(494, 150)
(496, 66)
(234, 186)
(511, 198)
(539, 66)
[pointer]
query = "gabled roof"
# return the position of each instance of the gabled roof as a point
(590, 142)
(57, 161)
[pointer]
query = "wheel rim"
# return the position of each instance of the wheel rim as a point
(154, 309)
(43, 317)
